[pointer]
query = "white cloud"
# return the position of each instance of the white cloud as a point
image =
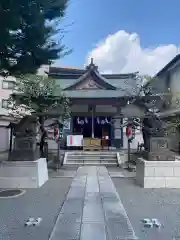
(122, 53)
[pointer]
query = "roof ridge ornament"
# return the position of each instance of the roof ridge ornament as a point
(92, 66)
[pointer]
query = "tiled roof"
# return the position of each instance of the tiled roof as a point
(66, 71)
(114, 85)
(76, 73)
(95, 75)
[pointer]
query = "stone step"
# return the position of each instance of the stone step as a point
(90, 160)
(91, 153)
(91, 157)
(90, 163)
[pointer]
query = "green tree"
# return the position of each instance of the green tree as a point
(28, 30)
(40, 96)
(157, 105)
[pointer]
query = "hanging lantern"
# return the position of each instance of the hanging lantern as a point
(129, 132)
(56, 131)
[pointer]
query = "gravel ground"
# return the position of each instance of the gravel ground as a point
(163, 204)
(44, 202)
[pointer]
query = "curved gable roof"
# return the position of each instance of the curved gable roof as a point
(92, 72)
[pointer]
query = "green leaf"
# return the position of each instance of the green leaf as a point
(36, 94)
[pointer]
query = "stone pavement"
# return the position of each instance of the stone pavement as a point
(116, 172)
(163, 204)
(44, 202)
(63, 172)
(92, 209)
(3, 156)
(89, 208)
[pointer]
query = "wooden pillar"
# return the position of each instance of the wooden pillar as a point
(92, 116)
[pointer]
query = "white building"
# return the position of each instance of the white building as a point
(6, 89)
(168, 81)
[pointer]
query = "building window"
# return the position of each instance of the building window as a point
(8, 84)
(6, 104)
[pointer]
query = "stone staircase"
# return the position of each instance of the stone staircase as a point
(91, 158)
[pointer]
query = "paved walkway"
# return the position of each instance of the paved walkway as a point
(92, 209)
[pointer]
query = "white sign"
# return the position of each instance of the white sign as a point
(75, 140)
(117, 133)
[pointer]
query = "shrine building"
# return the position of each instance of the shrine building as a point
(97, 101)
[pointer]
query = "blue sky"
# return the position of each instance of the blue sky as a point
(91, 21)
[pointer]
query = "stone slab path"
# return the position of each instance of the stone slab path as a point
(92, 209)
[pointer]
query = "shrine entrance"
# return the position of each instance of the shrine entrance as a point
(96, 127)
(82, 126)
(102, 127)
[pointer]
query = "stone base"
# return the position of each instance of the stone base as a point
(158, 174)
(165, 155)
(23, 174)
(122, 158)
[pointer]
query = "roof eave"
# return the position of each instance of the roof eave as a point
(169, 66)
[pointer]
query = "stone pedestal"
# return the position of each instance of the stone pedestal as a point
(25, 141)
(23, 174)
(25, 149)
(159, 150)
(158, 174)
